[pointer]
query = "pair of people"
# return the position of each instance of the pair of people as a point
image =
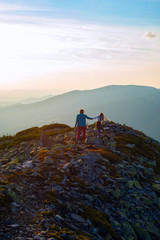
(81, 124)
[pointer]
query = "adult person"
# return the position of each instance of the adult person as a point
(81, 124)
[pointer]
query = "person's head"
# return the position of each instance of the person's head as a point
(81, 111)
(101, 115)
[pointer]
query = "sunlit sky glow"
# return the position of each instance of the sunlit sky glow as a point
(83, 44)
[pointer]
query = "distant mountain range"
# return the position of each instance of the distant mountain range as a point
(25, 101)
(12, 97)
(137, 106)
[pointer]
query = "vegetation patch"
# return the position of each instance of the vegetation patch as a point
(5, 200)
(108, 154)
(99, 220)
(142, 146)
(65, 233)
(33, 133)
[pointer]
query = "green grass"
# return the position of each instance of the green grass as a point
(142, 146)
(32, 134)
(100, 220)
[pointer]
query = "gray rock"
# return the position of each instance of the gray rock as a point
(48, 160)
(90, 140)
(45, 141)
(89, 197)
(98, 142)
(28, 164)
(147, 161)
(14, 226)
(58, 218)
(130, 145)
(66, 166)
(77, 218)
(15, 208)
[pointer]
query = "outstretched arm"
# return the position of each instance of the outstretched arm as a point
(96, 117)
(88, 117)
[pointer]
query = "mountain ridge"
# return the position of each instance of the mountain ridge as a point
(107, 188)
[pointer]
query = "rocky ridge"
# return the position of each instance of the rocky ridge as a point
(107, 188)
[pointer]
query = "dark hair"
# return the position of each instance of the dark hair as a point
(81, 111)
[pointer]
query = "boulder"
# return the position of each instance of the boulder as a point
(48, 160)
(77, 218)
(45, 141)
(28, 164)
(89, 197)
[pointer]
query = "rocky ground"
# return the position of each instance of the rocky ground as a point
(106, 188)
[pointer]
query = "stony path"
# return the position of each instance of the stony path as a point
(107, 188)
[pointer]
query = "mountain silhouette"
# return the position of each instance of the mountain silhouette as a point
(137, 106)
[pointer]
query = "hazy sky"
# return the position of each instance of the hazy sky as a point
(79, 44)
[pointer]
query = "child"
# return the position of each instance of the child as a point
(101, 118)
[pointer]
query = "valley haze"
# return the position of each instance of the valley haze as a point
(136, 106)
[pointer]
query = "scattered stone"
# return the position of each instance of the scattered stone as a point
(45, 141)
(77, 218)
(57, 190)
(28, 164)
(59, 218)
(89, 198)
(130, 145)
(48, 160)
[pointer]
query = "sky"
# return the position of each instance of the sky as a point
(82, 44)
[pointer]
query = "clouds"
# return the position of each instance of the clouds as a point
(57, 45)
(150, 35)
(33, 45)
